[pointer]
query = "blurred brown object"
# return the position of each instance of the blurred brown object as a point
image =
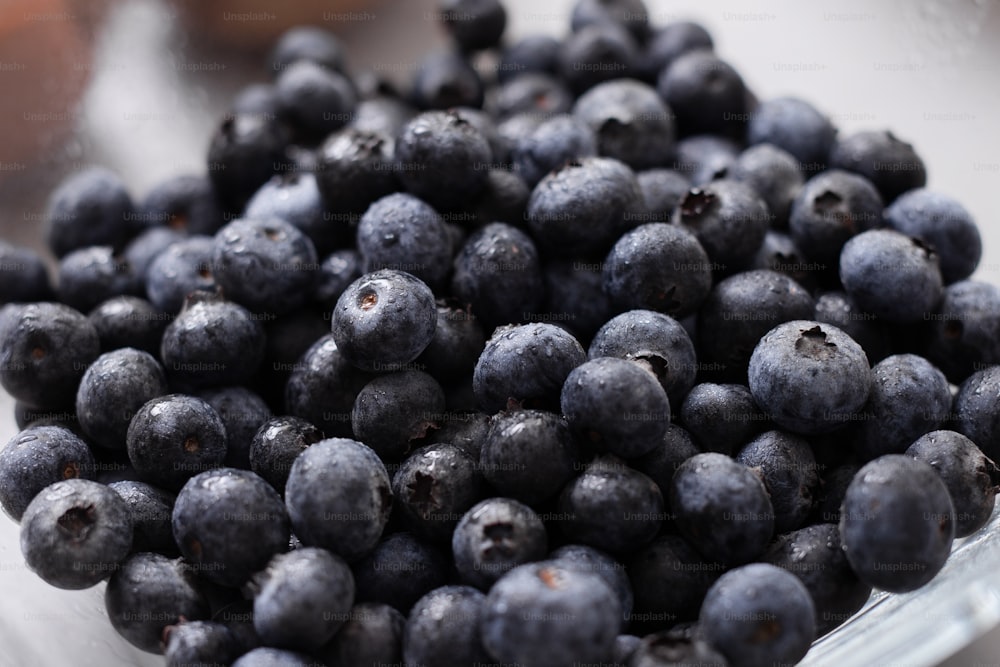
(256, 24)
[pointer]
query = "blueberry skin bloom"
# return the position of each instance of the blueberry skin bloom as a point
(441, 157)
(90, 275)
(707, 95)
(114, 387)
(75, 533)
(617, 404)
(630, 120)
(150, 592)
(45, 348)
(891, 275)
(549, 615)
(526, 363)
(974, 410)
(443, 628)
(229, 523)
(758, 615)
(557, 140)
(295, 198)
(173, 437)
(583, 206)
(728, 218)
(404, 233)
(339, 497)
(809, 377)
(658, 267)
(972, 479)
(942, 223)
(722, 508)
(37, 457)
(396, 410)
(384, 319)
(181, 268)
(964, 334)
(897, 523)
(302, 599)
(495, 536)
(266, 265)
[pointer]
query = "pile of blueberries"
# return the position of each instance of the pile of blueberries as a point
(572, 353)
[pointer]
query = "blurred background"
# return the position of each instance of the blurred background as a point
(139, 86)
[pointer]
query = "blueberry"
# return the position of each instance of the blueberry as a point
(302, 598)
(458, 340)
(832, 207)
(758, 614)
(809, 377)
(383, 113)
(185, 203)
(394, 411)
(538, 93)
(504, 199)
(242, 412)
(596, 53)
(589, 559)
(909, 397)
(838, 309)
(443, 628)
(446, 80)
(625, 647)
(655, 339)
(774, 174)
(337, 270)
(528, 55)
(964, 332)
(706, 93)
(245, 151)
(195, 643)
(273, 657)
(75, 533)
(583, 206)
(266, 265)
(23, 275)
(675, 647)
(549, 615)
(528, 455)
(495, 536)
(779, 253)
(37, 457)
(972, 478)
(151, 509)
(790, 473)
(890, 163)
(974, 413)
(557, 140)
(897, 523)
(466, 429)
(89, 208)
(670, 580)
(295, 198)
(400, 570)
(528, 364)
(401, 232)
(45, 348)
(173, 437)
(728, 218)
(891, 275)
(795, 126)
(434, 487)
(617, 405)
(371, 635)
(112, 389)
(704, 158)
(670, 41)
(498, 273)
(151, 592)
(228, 524)
(339, 497)
(662, 462)
(631, 15)
(308, 43)
(575, 297)
(721, 417)
(658, 267)
(314, 100)
(180, 269)
(275, 446)
(722, 508)
(322, 387)
(630, 121)
(662, 189)
(384, 320)
(129, 321)
(354, 168)
(438, 154)
(742, 308)
(473, 24)
(611, 506)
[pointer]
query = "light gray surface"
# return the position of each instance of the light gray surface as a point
(927, 70)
